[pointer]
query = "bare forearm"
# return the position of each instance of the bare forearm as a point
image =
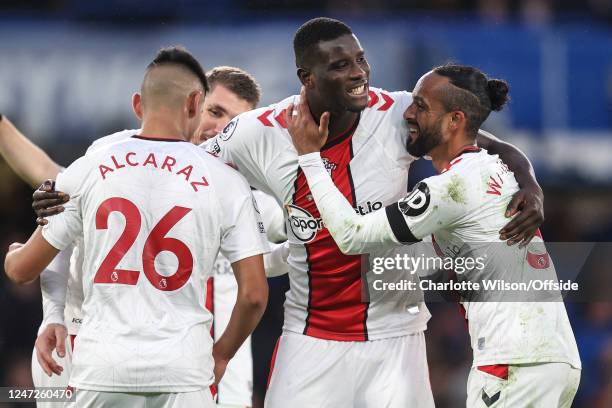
(24, 264)
(29, 161)
(244, 319)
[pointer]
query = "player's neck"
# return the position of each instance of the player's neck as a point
(162, 128)
(339, 123)
(442, 155)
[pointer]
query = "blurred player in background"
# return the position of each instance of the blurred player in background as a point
(525, 354)
(145, 340)
(232, 91)
(327, 355)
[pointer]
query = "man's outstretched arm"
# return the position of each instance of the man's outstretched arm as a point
(25, 263)
(26, 159)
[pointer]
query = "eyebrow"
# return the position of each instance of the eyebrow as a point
(345, 56)
(421, 100)
(217, 107)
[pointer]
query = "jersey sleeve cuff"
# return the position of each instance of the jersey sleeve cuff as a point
(398, 225)
(238, 256)
(55, 243)
(312, 166)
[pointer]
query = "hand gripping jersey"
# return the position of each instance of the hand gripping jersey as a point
(153, 215)
(329, 297)
(464, 210)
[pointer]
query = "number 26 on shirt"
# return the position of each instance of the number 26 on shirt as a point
(156, 242)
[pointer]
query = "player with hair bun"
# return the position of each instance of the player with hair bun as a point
(525, 354)
(343, 346)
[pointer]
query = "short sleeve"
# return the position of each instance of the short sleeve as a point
(66, 226)
(432, 205)
(243, 232)
(241, 144)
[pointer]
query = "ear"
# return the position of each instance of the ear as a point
(305, 77)
(193, 103)
(457, 120)
(137, 105)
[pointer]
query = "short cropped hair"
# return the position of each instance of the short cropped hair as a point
(179, 55)
(237, 81)
(475, 94)
(314, 31)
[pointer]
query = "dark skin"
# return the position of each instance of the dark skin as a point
(329, 71)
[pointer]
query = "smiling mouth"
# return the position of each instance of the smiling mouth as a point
(358, 90)
(413, 132)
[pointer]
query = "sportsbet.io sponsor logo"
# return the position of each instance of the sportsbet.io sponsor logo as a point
(368, 207)
(303, 225)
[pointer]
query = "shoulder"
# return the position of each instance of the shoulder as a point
(380, 100)
(222, 173)
(261, 119)
(74, 175)
(271, 117)
(385, 111)
(112, 138)
(462, 182)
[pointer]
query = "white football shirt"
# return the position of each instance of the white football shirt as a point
(329, 295)
(464, 208)
(153, 215)
(62, 303)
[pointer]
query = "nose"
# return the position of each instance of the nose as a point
(358, 72)
(409, 113)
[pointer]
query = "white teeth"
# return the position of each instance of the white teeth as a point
(357, 91)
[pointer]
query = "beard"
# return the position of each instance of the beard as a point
(426, 140)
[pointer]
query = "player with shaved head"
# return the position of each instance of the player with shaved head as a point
(153, 212)
(232, 91)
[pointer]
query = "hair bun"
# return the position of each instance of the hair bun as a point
(498, 93)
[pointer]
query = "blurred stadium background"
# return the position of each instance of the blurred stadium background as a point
(68, 69)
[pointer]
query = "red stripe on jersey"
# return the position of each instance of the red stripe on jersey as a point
(538, 261)
(280, 118)
(336, 310)
(263, 118)
(388, 102)
(210, 304)
(373, 100)
(72, 337)
(498, 370)
(272, 362)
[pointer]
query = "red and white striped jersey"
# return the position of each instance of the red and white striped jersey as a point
(329, 296)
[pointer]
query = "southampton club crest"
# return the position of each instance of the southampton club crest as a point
(329, 165)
